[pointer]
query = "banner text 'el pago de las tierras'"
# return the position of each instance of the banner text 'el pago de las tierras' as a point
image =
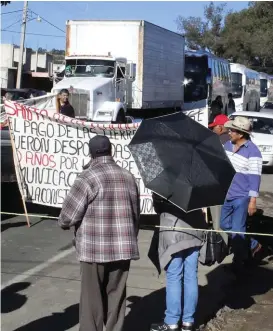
(51, 150)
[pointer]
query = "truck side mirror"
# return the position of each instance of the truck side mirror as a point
(130, 72)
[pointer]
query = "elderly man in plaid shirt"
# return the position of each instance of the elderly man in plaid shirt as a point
(103, 205)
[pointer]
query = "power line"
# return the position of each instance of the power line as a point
(10, 12)
(47, 21)
(12, 24)
(35, 34)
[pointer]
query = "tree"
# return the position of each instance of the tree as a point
(204, 34)
(247, 36)
(244, 37)
(42, 50)
(4, 3)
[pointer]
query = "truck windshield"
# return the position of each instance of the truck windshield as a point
(195, 86)
(89, 68)
(237, 84)
(263, 87)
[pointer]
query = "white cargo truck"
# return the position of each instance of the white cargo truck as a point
(117, 68)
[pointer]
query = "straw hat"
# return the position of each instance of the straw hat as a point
(240, 123)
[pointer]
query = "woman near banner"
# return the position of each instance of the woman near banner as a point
(63, 105)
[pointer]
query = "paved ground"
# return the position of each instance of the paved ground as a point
(40, 276)
(248, 307)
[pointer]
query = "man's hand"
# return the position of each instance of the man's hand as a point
(252, 208)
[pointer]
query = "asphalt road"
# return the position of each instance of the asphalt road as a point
(40, 275)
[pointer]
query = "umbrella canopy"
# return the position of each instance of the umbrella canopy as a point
(182, 161)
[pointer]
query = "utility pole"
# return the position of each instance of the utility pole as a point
(22, 46)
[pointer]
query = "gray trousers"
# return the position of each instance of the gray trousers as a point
(103, 295)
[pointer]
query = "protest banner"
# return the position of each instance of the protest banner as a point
(51, 150)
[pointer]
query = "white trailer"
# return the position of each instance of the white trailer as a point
(117, 67)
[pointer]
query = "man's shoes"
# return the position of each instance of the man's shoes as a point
(255, 251)
(164, 327)
(187, 327)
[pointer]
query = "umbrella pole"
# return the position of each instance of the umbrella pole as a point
(205, 211)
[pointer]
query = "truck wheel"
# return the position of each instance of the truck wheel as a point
(121, 119)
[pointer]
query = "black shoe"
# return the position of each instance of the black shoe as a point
(187, 327)
(164, 327)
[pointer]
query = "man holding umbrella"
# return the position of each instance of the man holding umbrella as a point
(244, 190)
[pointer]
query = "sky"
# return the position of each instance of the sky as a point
(57, 12)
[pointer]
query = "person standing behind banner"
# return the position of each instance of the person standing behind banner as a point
(103, 205)
(63, 105)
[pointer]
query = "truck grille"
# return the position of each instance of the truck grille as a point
(79, 101)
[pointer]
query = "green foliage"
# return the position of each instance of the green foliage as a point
(4, 3)
(244, 37)
(203, 34)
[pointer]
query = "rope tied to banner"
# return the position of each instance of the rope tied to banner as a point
(172, 228)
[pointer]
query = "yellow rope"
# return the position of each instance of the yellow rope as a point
(212, 230)
(161, 227)
(32, 215)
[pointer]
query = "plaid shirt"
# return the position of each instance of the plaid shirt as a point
(104, 206)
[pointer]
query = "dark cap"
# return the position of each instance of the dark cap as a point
(99, 146)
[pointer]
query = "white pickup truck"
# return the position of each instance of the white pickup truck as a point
(116, 68)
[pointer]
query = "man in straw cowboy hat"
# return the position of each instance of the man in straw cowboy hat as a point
(244, 190)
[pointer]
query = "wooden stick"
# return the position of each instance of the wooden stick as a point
(205, 212)
(15, 161)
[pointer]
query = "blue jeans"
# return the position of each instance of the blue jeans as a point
(182, 271)
(233, 217)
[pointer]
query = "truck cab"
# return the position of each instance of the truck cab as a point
(100, 87)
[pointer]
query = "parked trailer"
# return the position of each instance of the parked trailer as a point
(245, 87)
(115, 68)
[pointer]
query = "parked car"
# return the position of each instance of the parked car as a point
(7, 165)
(262, 123)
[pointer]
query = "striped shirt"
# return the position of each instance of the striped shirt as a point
(247, 162)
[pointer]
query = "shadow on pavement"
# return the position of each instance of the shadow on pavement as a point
(145, 311)
(59, 321)
(6, 226)
(262, 224)
(150, 309)
(10, 298)
(259, 282)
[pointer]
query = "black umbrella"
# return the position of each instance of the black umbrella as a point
(182, 161)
